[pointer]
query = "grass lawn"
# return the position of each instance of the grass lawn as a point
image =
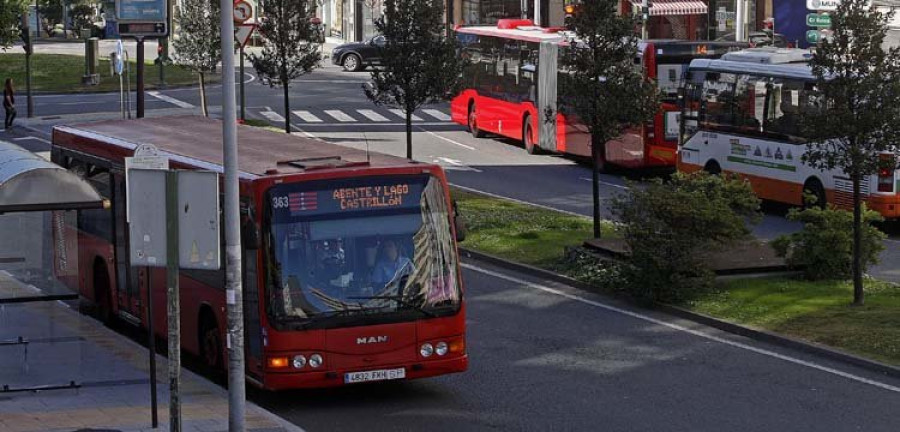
(262, 124)
(519, 232)
(815, 311)
(58, 73)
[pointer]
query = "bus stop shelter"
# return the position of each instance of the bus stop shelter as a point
(30, 183)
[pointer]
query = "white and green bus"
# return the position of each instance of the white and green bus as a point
(741, 116)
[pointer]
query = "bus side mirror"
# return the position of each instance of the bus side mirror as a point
(458, 223)
(249, 235)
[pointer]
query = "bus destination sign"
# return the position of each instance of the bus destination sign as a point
(390, 195)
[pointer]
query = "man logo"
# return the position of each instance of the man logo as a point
(371, 340)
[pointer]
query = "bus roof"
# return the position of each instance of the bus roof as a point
(800, 71)
(197, 141)
(529, 35)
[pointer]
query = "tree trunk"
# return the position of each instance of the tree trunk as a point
(203, 103)
(596, 155)
(858, 296)
(409, 134)
(287, 108)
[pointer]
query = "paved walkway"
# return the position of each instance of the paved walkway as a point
(111, 370)
(107, 46)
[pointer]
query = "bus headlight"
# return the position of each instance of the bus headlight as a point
(426, 350)
(315, 360)
(299, 361)
(441, 348)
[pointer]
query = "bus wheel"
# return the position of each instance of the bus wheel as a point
(813, 187)
(473, 123)
(528, 138)
(102, 293)
(210, 343)
(713, 168)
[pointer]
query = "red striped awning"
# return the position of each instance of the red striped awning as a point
(675, 7)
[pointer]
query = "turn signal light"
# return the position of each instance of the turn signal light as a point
(278, 362)
(457, 346)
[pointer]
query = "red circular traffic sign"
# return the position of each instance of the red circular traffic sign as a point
(243, 11)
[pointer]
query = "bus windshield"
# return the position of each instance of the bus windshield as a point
(370, 246)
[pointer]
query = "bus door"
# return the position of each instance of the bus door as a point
(253, 338)
(546, 94)
(129, 280)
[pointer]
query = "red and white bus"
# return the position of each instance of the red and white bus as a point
(513, 78)
(351, 270)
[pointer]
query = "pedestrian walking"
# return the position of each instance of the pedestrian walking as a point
(9, 103)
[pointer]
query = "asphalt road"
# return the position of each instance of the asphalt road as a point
(329, 104)
(545, 358)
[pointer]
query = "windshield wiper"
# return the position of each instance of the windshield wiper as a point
(397, 299)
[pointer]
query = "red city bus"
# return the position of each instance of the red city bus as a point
(513, 77)
(351, 270)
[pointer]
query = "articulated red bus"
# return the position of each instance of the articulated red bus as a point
(513, 79)
(351, 271)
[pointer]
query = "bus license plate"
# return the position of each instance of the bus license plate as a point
(375, 375)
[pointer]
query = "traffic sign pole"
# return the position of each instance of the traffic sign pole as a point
(234, 296)
(140, 77)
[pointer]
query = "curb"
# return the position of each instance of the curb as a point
(675, 311)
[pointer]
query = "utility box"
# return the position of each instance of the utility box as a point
(91, 61)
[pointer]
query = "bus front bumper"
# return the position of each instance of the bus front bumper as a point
(335, 378)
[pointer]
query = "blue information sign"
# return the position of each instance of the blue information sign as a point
(141, 10)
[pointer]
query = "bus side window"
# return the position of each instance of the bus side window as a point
(784, 109)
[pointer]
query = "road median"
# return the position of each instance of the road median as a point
(813, 317)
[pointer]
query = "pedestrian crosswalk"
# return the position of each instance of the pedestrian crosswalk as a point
(334, 116)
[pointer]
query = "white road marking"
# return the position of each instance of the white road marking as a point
(518, 201)
(169, 99)
(272, 115)
(606, 183)
(340, 116)
(372, 115)
(467, 147)
(401, 114)
(698, 333)
(373, 124)
(437, 114)
(307, 116)
(31, 138)
(454, 164)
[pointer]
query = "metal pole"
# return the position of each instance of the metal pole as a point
(645, 30)
(233, 290)
(127, 84)
(161, 55)
(739, 21)
(537, 12)
(174, 306)
(151, 343)
(140, 77)
(243, 102)
(28, 97)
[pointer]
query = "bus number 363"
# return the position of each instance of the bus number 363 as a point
(280, 202)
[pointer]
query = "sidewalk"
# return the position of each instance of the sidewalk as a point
(107, 46)
(111, 371)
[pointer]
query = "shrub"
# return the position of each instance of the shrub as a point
(824, 247)
(670, 226)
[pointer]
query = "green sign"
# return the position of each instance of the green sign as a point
(818, 20)
(813, 36)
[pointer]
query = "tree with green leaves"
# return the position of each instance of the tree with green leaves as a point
(599, 86)
(420, 64)
(10, 19)
(198, 45)
(290, 46)
(854, 121)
